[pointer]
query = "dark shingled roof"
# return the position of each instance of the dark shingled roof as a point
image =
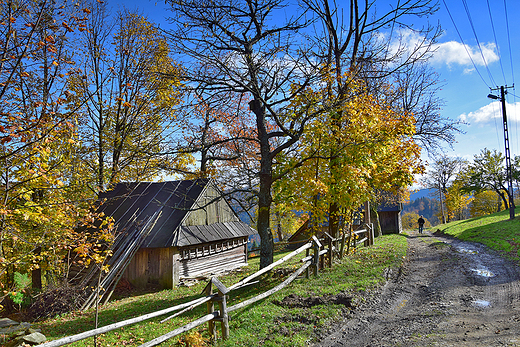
(161, 207)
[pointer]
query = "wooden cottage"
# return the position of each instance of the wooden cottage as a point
(185, 229)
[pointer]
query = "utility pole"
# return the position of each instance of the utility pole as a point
(502, 98)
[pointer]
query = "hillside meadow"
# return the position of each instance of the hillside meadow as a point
(496, 231)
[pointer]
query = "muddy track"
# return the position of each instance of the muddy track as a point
(448, 293)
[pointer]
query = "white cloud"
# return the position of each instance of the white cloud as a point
(449, 53)
(455, 53)
(491, 111)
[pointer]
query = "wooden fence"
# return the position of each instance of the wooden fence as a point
(329, 246)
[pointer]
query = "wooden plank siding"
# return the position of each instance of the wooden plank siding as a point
(208, 210)
(152, 266)
(390, 222)
(165, 266)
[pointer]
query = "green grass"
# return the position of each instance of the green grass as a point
(495, 231)
(264, 323)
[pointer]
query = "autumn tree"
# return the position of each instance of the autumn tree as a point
(373, 151)
(456, 200)
(239, 49)
(362, 44)
(41, 195)
(486, 202)
(487, 172)
(440, 175)
(128, 87)
(219, 129)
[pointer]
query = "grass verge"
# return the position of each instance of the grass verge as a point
(496, 231)
(265, 323)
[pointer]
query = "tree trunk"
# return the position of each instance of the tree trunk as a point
(374, 216)
(504, 200)
(264, 207)
(266, 181)
(334, 220)
(36, 274)
(279, 227)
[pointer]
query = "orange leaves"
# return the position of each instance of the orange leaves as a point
(66, 26)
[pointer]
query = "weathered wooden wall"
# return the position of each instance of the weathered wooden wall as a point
(164, 266)
(390, 222)
(152, 266)
(215, 212)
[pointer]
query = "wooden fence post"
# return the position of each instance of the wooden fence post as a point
(222, 291)
(211, 308)
(331, 248)
(316, 260)
(307, 252)
(342, 248)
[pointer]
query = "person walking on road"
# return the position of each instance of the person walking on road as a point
(421, 224)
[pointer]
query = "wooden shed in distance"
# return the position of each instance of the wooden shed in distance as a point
(178, 229)
(390, 217)
(388, 211)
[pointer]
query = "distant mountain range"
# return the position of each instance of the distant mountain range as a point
(423, 202)
(422, 193)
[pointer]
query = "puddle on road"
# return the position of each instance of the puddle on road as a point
(483, 272)
(467, 251)
(482, 303)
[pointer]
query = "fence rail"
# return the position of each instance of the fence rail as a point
(314, 261)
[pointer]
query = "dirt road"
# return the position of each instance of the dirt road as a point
(448, 293)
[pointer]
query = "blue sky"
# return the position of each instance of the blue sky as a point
(466, 86)
(466, 80)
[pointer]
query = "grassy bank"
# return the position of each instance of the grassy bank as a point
(495, 231)
(265, 323)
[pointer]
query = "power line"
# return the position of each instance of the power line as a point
(512, 73)
(496, 41)
(478, 42)
(465, 46)
(509, 42)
